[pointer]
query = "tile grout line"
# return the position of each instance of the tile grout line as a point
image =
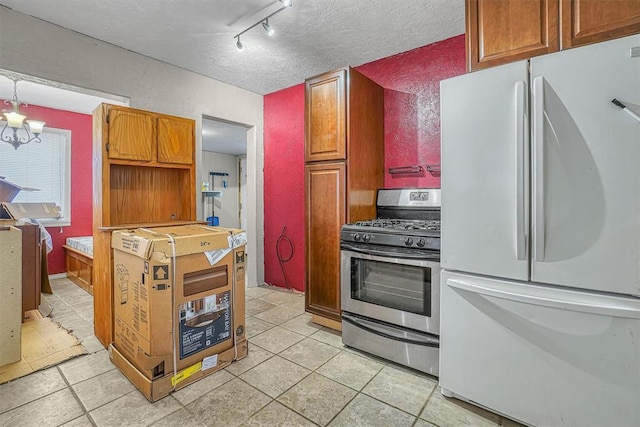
(425, 406)
(75, 396)
(276, 398)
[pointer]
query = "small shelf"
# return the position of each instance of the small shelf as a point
(434, 169)
(406, 170)
(212, 193)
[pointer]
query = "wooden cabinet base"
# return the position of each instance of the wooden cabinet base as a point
(329, 323)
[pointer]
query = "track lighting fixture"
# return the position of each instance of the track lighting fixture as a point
(267, 27)
(265, 22)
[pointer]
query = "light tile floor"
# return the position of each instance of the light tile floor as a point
(297, 374)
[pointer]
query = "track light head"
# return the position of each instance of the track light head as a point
(239, 44)
(286, 3)
(267, 27)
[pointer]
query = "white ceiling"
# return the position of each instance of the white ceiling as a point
(312, 37)
(46, 94)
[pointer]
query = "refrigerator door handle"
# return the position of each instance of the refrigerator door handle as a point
(520, 141)
(538, 166)
(611, 310)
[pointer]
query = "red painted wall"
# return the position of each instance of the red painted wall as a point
(412, 106)
(412, 137)
(80, 126)
(284, 185)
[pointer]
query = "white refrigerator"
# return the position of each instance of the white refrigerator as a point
(540, 298)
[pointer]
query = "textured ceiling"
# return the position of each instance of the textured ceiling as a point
(312, 37)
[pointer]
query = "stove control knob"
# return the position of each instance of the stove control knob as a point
(366, 238)
(356, 237)
(408, 241)
(421, 242)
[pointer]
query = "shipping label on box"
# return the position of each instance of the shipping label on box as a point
(204, 322)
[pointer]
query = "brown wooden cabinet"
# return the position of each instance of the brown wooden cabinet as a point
(149, 137)
(324, 213)
(344, 146)
(591, 21)
(143, 176)
(502, 31)
(325, 134)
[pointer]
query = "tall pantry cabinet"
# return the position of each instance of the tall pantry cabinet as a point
(344, 168)
(143, 176)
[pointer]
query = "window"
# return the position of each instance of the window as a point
(45, 166)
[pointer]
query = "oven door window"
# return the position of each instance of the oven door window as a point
(398, 286)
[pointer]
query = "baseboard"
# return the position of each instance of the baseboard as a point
(329, 323)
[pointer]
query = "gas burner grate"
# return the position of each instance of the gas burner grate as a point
(401, 224)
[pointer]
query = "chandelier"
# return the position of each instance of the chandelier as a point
(15, 121)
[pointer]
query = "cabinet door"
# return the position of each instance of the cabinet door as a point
(132, 134)
(325, 214)
(502, 31)
(325, 113)
(175, 140)
(591, 21)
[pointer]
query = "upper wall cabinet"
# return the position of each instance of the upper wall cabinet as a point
(326, 117)
(591, 21)
(502, 31)
(149, 137)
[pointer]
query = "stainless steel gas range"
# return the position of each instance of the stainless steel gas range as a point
(390, 279)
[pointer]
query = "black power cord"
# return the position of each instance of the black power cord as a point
(283, 238)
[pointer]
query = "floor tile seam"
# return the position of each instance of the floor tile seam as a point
(330, 359)
(259, 391)
(39, 398)
(254, 316)
(311, 336)
(417, 417)
(292, 409)
(75, 396)
(181, 406)
(303, 337)
(283, 358)
(425, 406)
(191, 414)
(361, 391)
(275, 398)
(296, 363)
(343, 408)
(58, 319)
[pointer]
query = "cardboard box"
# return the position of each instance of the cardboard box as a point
(10, 295)
(29, 210)
(197, 297)
(158, 388)
(9, 190)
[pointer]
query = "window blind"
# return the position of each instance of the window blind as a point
(40, 165)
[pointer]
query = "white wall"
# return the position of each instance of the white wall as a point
(226, 207)
(38, 48)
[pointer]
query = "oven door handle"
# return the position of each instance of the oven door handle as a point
(386, 332)
(369, 251)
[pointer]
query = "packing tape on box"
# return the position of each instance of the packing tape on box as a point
(183, 375)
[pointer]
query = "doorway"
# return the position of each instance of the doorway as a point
(224, 151)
